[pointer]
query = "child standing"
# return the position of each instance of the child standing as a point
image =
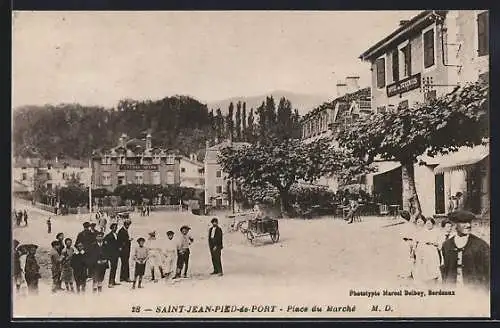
(140, 258)
(66, 269)
(170, 253)
(18, 271)
(55, 259)
(78, 264)
(183, 251)
(155, 256)
(32, 270)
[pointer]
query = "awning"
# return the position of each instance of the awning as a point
(384, 167)
(461, 159)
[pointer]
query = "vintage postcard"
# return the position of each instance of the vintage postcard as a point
(250, 164)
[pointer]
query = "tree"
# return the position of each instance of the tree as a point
(443, 125)
(219, 119)
(280, 164)
(244, 122)
(250, 131)
(229, 122)
(238, 121)
(284, 127)
(263, 125)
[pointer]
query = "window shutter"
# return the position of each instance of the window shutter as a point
(408, 58)
(429, 48)
(482, 33)
(380, 66)
(395, 66)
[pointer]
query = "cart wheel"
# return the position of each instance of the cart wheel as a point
(250, 236)
(275, 236)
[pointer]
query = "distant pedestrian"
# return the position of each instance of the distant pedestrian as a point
(25, 216)
(215, 246)
(466, 257)
(183, 251)
(79, 266)
(55, 260)
(49, 225)
(32, 270)
(66, 269)
(170, 254)
(147, 210)
(140, 258)
(19, 217)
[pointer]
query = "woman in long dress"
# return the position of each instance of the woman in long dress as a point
(427, 260)
(407, 233)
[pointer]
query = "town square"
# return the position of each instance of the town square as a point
(198, 171)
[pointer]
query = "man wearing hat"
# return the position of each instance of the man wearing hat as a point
(215, 245)
(466, 257)
(85, 236)
(183, 251)
(124, 247)
(113, 253)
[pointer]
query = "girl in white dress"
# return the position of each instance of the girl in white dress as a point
(427, 260)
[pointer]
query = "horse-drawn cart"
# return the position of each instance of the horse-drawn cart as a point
(263, 227)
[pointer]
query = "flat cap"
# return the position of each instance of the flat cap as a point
(461, 216)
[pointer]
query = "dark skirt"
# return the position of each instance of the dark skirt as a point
(140, 268)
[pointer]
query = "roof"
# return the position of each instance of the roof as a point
(27, 162)
(184, 158)
(226, 143)
(19, 187)
(416, 23)
(361, 94)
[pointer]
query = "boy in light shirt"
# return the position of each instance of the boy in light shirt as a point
(155, 257)
(170, 253)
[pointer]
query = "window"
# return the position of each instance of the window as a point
(395, 66)
(430, 96)
(49, 176)
(218, 174)
(106, 160)
(141, 160)
(156, 160)
(201, 171)
(482, 34)
(405, 53)
(121, 179)
(218, 189)
(155, 177)
(380, 67)
(24, 177)
(429, 48)
(170, 159)
(106, 179)
(122, 160)
(139, 177)
(49, 167)
(183, 169)
(170, 177)
(65, 176)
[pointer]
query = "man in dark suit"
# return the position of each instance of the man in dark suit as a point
(124, 245)
(113, 253)
(466, 257)
(98, 262)
(215, 245)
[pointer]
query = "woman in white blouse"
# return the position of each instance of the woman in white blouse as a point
(427, 260)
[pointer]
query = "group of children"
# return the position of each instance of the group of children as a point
(72, 265)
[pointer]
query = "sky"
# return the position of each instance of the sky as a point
(98, 58)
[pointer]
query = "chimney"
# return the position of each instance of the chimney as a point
(341, 88)
(403, 22)
(352, 83)
(148, 141)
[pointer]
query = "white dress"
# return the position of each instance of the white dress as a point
(405, 252)
(427, 260)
